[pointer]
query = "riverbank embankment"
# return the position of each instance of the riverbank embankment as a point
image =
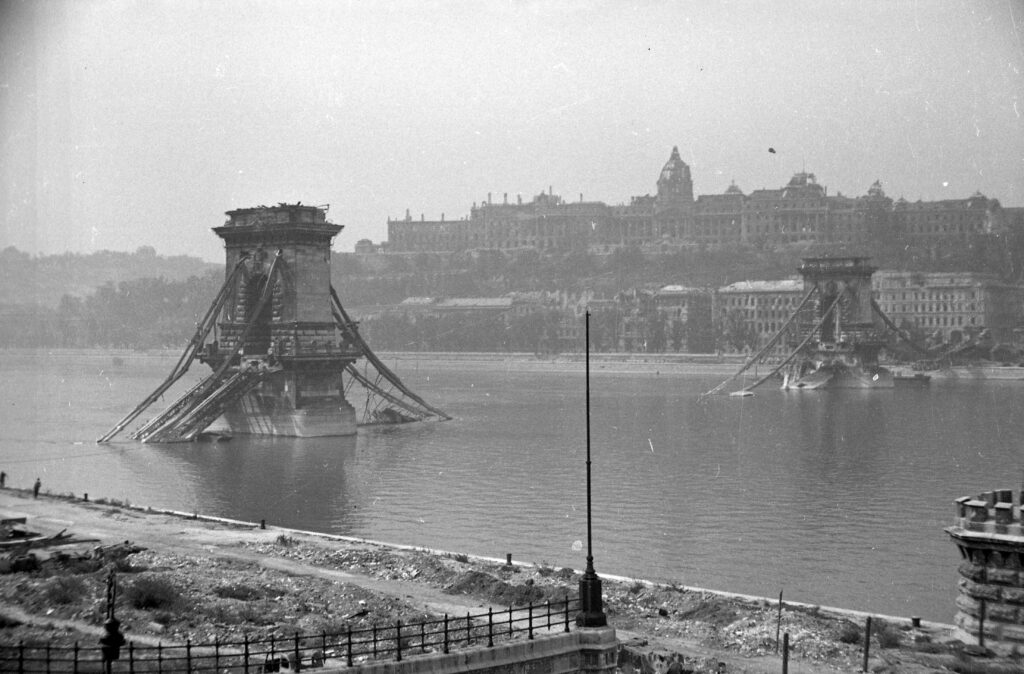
(617, 362)
(654, 363)
(223, 578)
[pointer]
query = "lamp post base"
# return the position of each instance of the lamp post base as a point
(591, 608)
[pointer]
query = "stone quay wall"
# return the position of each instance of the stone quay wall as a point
(988, 531)
(584, 651)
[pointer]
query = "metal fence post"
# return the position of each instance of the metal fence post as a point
(446, 633)
(21, 657)
(74, 665)
(374, 642)
(131, 657)
(216, 653)
(160, 658)
(490, 627)
(348, 649)
(778, 623)
(298, 660)
(423, 637)
(398, 641)
(245, 656)
(529, 621)
(867, 642)
(785, 653)
(47, 657)
(469, 626)
(547, 605)
(566, 613)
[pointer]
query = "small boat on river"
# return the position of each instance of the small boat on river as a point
(917, 379)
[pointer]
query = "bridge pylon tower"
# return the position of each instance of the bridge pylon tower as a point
(282, 349)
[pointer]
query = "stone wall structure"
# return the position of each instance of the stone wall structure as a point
(584, 651)
(988, 531)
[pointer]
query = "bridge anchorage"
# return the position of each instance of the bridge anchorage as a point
(286, 358)
(834, 335)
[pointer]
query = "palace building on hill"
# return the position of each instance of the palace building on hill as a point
(801, 212)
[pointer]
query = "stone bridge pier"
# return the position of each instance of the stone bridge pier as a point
(987, 529)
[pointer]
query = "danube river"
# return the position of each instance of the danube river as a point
(836, 498)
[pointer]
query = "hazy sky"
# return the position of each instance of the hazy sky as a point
(139, 123)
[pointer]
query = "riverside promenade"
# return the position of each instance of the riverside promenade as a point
(226, 578)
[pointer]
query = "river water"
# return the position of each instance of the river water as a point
(836, 498)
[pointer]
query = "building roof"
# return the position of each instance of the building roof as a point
(783, 286)
(475, 303)
(677, 290)
(417, 301)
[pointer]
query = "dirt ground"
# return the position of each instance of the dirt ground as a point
(188, 578)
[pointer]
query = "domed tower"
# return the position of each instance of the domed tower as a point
(675, 186)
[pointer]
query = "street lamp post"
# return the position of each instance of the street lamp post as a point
(112, 639)
(591, 609)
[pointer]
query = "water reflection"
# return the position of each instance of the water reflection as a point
(293, 482)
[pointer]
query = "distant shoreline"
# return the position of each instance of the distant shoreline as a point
(619, 362)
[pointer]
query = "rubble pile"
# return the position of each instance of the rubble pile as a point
(456, 574)
(204, 598)
(203, 592)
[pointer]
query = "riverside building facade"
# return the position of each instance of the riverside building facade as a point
(801, 212)
(950, 305)
(753, 311)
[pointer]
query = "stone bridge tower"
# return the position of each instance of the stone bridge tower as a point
(848, 280)
(987, 529)
(288, 247)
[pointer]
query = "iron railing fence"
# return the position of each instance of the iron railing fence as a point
(350, 647)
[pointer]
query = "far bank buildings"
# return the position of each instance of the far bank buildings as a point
(800, 213)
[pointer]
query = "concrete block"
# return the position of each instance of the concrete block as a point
(1013, 633)
(1004, 560)
(1014, 595)
(968, 624)
(971, 571)
(598, 649)
(1004, 513)
(1006, 613)
(977, 510)
(968, 605)
(1003, 576)
(980, 590)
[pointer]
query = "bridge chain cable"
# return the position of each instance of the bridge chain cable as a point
(767, 347)
(203, 329)
(166, 423)
(349, 328)
(795, 351)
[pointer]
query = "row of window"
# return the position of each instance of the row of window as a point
(721, 229)
(932, 295)
(927, 308)
(787, 300)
